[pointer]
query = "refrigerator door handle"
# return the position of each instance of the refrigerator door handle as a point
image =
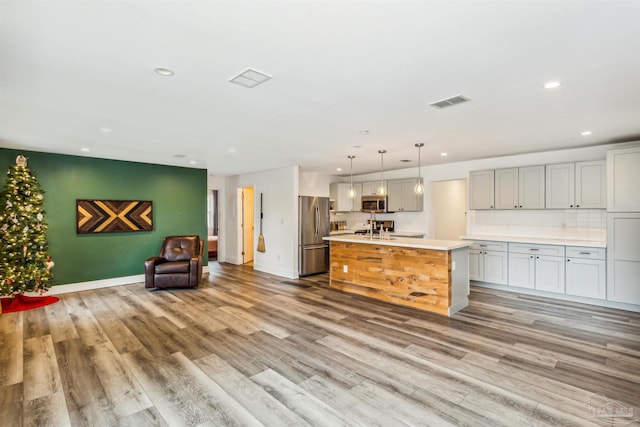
(313, 247)
(317, 220)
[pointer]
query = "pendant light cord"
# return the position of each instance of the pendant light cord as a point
(381, 192)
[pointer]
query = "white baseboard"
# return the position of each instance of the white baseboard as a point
(275, 271)
(104, 283)
(459, 306)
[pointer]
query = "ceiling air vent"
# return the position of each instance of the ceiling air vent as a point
(250, 78)
(454, 100)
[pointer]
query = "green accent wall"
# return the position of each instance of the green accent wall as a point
(179, 197)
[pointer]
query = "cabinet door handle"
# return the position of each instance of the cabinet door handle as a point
(521, 206)
(577, 206)
(568, 260)
(534, 249)
(585, 253)
(515, 206)
(570, 206)
(537, 257)
(483, 246)
(491, 206)
(531, 257)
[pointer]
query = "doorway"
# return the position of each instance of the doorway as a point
(246, 225)
(449, 209)
(212, 225)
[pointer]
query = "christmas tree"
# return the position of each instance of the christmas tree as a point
(24, 261)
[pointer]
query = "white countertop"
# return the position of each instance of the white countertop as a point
(537, 240)
(409, 242)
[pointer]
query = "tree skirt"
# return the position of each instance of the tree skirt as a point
(22, 302)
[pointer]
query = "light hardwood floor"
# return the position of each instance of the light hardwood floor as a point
(249, 348)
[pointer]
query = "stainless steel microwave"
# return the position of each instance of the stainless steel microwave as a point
(374, 204)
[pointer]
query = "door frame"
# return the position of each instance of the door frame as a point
(246, 203)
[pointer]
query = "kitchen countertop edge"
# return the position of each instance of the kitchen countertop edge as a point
(409, 242)
(538, 240)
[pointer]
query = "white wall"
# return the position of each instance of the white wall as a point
(313, 184)
(280, 225)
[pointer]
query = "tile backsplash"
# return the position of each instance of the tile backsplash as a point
(574, 224)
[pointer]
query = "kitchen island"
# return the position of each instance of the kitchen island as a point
(431, 275)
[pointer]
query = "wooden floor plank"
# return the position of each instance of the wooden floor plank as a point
(49, 410)
(41, 372)
(265, 407)
(11, 358)
(306, 405)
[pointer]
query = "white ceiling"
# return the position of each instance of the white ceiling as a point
(71, 68)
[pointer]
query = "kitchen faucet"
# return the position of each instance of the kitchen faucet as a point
(372, 222)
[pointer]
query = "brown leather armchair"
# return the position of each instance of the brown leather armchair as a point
(178, 266)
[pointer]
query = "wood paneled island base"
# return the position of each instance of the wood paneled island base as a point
(412, 272)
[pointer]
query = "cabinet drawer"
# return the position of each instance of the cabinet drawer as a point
(523, 248)
(489, 246)
(585, 252)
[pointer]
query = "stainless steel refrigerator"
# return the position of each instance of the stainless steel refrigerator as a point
(313, 225)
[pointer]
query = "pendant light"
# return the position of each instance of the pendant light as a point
(381, 190)
(419, 188)
(352, 193)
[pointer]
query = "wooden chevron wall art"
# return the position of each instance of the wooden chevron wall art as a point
(113, 216)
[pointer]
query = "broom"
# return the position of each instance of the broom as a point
(261, 247)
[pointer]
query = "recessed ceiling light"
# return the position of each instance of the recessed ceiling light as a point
(85, 150)
(105, 129)
(339, 169)
(357, 146)
(552, 85)
(364, 132)
(231, 150)
(586, 133)
(192, 162)
(165, 72)
(443, 154)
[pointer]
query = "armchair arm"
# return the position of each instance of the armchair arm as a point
(194, 270)
(149, 270)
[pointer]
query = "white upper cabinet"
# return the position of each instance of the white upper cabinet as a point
(591, 187)
(519, 188)
(506, 181)
(531, 187)
(370, 188)
(339, 193)
(402, 198)
(342, 202)
(560, 192)
(481, 189)
(579, 185)
(623, 176)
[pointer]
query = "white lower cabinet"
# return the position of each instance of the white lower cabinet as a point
(550, 273)
(488, 262)
(586, 272)
(539, 267)
(623, 256)
(522, 270)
